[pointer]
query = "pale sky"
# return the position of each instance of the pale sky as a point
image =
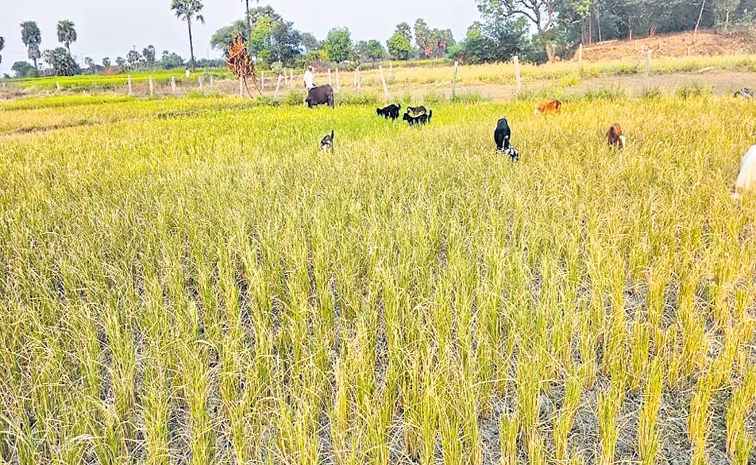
(111, 28)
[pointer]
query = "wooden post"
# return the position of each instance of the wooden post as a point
(518, 78)
(338, 81)
(275, 96)
(329, 77)
(173, 85)
(291, 79)
(648, 65)
(241, 86)
(454, 81)
(262, 81)
(286, 77)
(202, 84)
(383, 81)
(131, 91)
(57, 86)
(359, 80)
(152, 86)
(355, 77)
(212, 81)
(580, 54)
(391, 70)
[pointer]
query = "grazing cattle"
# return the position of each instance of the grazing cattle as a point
(327, 142)
(614, 137)
(417, 110)
(745, 92)
(552, 106)
(422, 119)
(391, 111)
(502, 135)
(747, 178)
(321, 95)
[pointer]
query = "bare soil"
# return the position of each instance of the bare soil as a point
(673, 45)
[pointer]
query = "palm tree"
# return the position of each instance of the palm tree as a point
(66, 33)
(188, 10)
(2, 46)
(31, 36)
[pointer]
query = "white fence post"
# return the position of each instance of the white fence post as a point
(152, 86)
(580, 54)
(338, 81)
(278, 84)
(454, 81)
(291, 79)
(517, 73)
(131, 91)
(383, 81)
(173, 85)
(202, 84)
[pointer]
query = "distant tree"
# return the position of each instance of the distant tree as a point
(106, 62)
(542, 13)
(310, 43)
(2, 46)
(338, 43)
(149, 55)
(90, 64)
(400, 43)
(272, 39)
(724, 9)
(189, 10)
(120, 62)
(31, 36)
(170, 60)
(376, 51)
(424, 38)
(23, 69)
(61, 62)
(249, 24)
(133, 58)
(67, 33)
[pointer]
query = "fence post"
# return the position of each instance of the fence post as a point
(278, 84)
(517, 73)
(454, 81)
(648, 65)
(57, 85)
(338, 81)
(329, 77)
(359, 79)
(391, 70)
(291, 79)
(262, 81)
(202, 84)
(152, 87)
(173, 85)
(383, 81)
(212, 81)
(580, 54)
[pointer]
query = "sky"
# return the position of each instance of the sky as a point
(112, 28)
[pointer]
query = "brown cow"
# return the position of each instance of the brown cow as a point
(552, 106)
(614, 137)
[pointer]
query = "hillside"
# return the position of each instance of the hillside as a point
(672, 45)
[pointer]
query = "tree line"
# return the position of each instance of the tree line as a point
(536, 30)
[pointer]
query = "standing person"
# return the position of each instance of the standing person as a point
(309, 78)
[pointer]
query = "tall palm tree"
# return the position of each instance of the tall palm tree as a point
(31, 36)
(188, 10)
(67, 33)
(2, 46)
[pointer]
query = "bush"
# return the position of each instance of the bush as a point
(468, 97)
(693, 89)
(434, 98)
(293, 98)
(356, 98)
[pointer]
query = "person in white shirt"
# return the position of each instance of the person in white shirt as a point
(309, 78)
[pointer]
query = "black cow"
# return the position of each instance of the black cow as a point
(391, 111)
(321, 95)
